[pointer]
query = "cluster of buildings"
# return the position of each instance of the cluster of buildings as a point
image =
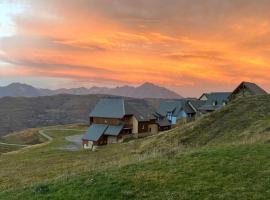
(116, 119)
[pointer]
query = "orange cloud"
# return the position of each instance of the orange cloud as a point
(178, 44)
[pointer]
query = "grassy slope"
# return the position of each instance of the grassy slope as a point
(227, 172)
(242, 122)
(27, 137)
(234, 164)
(7, 148)
(53, 161)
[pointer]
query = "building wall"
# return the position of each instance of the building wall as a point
(135, 124)
(153, 128)
(112, 140)
(102, 141)
(143, 127)
(127, 120)
(109, 121)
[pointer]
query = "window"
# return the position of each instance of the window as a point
(143, 126)
(215, 103)
(169, 115)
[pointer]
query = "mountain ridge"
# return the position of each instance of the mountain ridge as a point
(146, 90)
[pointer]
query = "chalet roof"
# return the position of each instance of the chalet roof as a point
(114, 130)
(253, 87)
(95, 132)
(220, 97)
(174, 106)
(196, 103)
(109, 108)
(117, 108)
(140, 110)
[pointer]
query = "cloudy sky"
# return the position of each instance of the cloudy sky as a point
(190, 46)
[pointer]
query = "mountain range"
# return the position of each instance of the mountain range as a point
(146, 90)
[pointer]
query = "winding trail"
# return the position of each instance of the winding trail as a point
(17, 145)
(74, 139)
(42, 133)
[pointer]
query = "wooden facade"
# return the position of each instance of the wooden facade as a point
(131, 128)
(114, 120)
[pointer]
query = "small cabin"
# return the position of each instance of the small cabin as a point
(246, 89)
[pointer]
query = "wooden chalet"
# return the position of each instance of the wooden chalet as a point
(246, 89)
(114, 119)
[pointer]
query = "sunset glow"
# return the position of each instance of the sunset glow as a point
(186, 45)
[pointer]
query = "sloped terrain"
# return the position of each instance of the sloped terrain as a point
(224, 155)
(245, 121)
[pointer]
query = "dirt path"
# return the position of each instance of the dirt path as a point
(17, 145)
(42, 133)
(76, 139)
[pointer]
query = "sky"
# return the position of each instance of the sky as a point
(189, 46)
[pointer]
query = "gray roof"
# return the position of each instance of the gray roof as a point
(220, 97)
(118, 108)
(254, 88)
(95, 132)
(109, 108)
(114, 130)
(215, 100)
(196, 104)
(174, 106)
(140, 110)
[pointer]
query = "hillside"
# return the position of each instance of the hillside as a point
(242, 122)
(146, 90)
(21, 113)
(221, 156)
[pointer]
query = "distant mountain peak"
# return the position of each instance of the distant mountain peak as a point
(146, 90)
(148, 84)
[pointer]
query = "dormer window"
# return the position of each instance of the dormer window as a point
(215, 103)
(224, 103)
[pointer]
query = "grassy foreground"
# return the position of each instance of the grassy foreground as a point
(225, 155)
(225, 172)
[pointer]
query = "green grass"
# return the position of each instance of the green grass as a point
(246, 121)
(7, 148)
(52, 161)
(221, 156)
(224, 172)
(26, 137)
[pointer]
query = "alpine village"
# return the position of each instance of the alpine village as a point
(115, 119)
